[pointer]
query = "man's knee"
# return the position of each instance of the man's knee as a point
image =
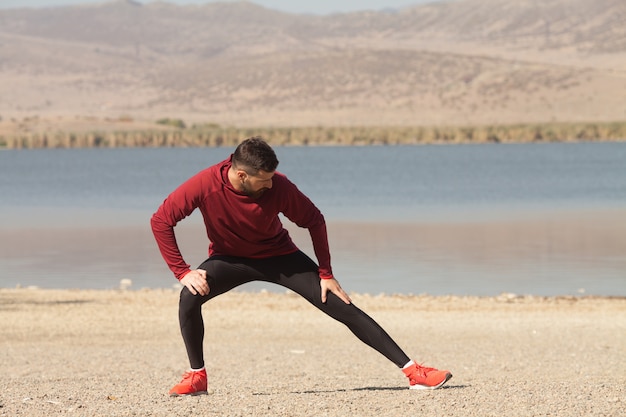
(189, 302)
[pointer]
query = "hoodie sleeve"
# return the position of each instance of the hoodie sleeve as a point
(301, 210)
(178, 205)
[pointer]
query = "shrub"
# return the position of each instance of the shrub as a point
(177, 123)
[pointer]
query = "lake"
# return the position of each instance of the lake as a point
(542, 219)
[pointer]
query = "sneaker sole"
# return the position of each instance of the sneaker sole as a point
(193, 394)
(423, 387)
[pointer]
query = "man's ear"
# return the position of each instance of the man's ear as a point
(242, 175)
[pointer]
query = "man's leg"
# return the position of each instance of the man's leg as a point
(223, 274)
(299, 273)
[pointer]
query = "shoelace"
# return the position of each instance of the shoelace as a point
(187, 375)
(424, 370)
(190, 377)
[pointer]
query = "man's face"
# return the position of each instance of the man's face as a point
(255, 185)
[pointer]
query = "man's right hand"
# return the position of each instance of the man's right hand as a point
(196, 282)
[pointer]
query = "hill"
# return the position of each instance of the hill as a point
(467, 62)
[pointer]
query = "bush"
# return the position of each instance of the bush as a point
(177, 123)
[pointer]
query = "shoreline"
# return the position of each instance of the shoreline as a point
(503, 297)
(101, 134)
(547, 254)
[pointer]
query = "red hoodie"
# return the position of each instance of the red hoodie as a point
(236, 224)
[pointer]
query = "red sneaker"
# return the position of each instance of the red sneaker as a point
(421, 377)
(193, 383)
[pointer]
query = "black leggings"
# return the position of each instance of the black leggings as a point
(296, 272)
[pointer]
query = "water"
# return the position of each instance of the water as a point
(543, 219)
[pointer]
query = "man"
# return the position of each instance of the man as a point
(240, 199)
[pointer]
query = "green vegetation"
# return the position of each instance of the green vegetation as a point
(214, 135)
(177, 123)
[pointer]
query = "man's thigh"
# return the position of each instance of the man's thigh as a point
(291, 271)
(223, 273)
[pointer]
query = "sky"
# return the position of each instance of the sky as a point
(292, 6)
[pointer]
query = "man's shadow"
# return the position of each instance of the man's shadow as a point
(395, 388)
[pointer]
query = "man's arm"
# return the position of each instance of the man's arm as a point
(194, 280)
(178, 205)
(163, 232)
(305, 214)
(319, 238)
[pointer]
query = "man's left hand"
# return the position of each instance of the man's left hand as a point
(333, 286)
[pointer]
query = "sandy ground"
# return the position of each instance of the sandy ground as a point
(116, 353)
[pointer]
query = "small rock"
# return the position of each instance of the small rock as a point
(125, 284)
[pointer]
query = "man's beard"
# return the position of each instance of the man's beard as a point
(254, 194)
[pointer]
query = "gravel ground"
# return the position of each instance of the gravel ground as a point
(117, 353)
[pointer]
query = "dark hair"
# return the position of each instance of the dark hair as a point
(254, 154)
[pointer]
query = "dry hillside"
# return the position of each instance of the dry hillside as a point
(467, 62)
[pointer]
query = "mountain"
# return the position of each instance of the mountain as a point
(457, 62)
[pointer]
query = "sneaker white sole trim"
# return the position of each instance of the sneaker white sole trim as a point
(191, 394)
